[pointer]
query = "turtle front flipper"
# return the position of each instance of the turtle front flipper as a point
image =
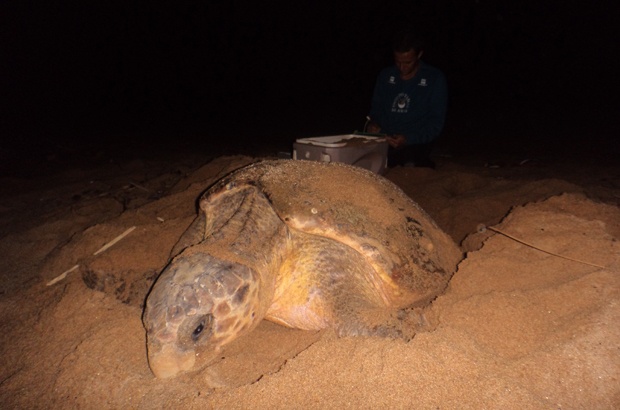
(324, 283)
(192, 236)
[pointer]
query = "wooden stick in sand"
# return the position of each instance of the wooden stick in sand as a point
(103, 248)
(61, 276)
(113, 241)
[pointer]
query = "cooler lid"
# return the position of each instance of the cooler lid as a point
(340, 140)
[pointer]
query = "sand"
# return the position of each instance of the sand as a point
(518, 327)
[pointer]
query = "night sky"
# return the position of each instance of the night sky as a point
(530, 76)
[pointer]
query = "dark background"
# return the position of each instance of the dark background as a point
(526, 78)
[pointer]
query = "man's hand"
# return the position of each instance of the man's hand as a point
(373, 128)
(397, 140)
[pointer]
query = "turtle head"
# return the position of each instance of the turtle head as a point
(198, 304)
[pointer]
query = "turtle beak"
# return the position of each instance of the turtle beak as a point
(169, 361)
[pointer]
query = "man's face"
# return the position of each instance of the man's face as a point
(407, 63)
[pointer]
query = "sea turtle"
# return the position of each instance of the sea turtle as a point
(308, 245)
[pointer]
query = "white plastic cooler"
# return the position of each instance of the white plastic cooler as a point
(360, 150)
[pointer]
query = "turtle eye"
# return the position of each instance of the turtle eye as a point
(198, 331)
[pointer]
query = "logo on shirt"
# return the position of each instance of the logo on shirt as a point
(392, 80)
(401, 103)
(422, 82)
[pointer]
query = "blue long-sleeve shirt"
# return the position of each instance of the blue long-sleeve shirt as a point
(415, 108)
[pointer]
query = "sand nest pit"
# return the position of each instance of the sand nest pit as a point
(517, 327)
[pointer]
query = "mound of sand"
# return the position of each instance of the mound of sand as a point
(530, 320)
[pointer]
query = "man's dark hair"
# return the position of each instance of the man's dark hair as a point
(405, 40)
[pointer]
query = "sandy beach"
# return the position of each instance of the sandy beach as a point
(529, 320)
